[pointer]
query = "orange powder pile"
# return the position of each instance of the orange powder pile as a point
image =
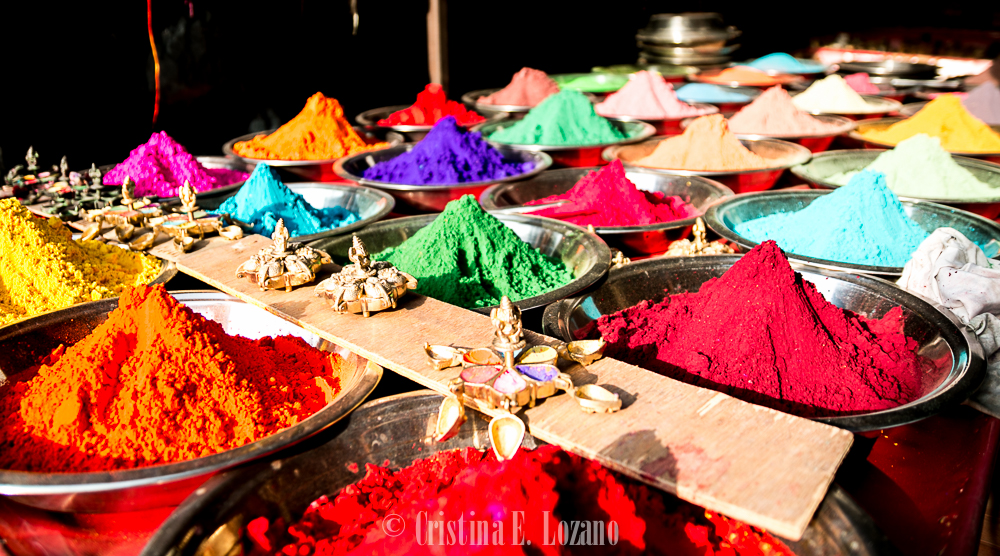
(318, 132)
(943, 117)
(748, 76)
(706, 144)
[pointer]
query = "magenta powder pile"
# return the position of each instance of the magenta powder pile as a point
(160, 166)
(607, 198)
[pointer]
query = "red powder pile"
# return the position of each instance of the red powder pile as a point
(761, 333)
(432, 105)
(527, 88)
(606, 198)
(523, 499)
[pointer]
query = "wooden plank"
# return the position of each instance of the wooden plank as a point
(755, 464)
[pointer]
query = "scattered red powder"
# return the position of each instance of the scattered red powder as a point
(607, 198)
(527, 88)
(527, 495)
(861, 83)
(432, 105)
(773, 114)
(761, 333)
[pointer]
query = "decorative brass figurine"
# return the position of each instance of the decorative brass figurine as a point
(700, 245)
(366, 286)
(283, 265)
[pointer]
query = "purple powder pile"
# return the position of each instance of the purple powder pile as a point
(447, 155)
(160, 166)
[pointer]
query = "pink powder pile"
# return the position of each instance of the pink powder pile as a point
(861, 84)
(160, 166)
(773, 114)
(647, 96)
(528, 88)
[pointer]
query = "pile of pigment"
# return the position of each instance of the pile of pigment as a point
(647, 96)
(763, 334)
(713, 94)
(528, 87)
(946, 118)
(862, 223)
(161, 166)
(524, 497)
(862, 84)
(318, 132)
(785, 63)
(983, 102)
(264, 199)
(563, 120)
(468, 258)
(746, 76)
(593, 82)
(607, 198)
(774, 114)
(157, 383)
(706, 144)
(432, 104)
(832, 95)
(43, 268)
(447, 155)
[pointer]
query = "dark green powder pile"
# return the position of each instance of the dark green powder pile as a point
(468, 258)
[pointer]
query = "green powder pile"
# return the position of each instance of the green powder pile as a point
(468, 258)
(564, 119)
(919, 167)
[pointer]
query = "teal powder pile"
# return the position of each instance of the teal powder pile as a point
(564, 119)
(861, 223)
(468, 258)
(264, 199)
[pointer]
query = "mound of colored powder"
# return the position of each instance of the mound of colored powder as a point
(264, 199)
(774, 114)
(703, 92)
(607, 198)
(983, 102)
(161, 165)
(448, 154)
(706, 144)
(564, 119)
(318, 132)
(861, 223)
(432, 105)
(919, 167)
(646, 96)
(861, 83)
(524, 497)
(832, 95)
(946, 118)
(594, 82)
(763, 334)
(745, 75)
(527, 88)
(468, 258)
(786, 63)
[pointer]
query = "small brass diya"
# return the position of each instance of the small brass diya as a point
(283, 264)
(365, 286)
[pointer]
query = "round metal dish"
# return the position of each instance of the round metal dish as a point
(210, 162)
(604, 82)
(784, 154)
(674, 51)
(815, 143)
(879, 106)
(724, 216)
(728, 108)
(954, 358)
(22, 343)
(431, 198)
(633, 240)
(883, 123)
(512, 111)
(705, 61)
(815, 68)
(576, 156)
(912, 108)
(671, 73)
(394, 429)
(692, 28)
(585, 255)
(890, 68)
(410, 133)
(711, 77)
(669, 126)
(930, 92)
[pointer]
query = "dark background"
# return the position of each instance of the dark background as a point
(79, 76)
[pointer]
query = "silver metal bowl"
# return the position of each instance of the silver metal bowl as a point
(633, 240)
(784, 154)
(878, 105)
(911, 108)
(815, 69)
(711, 77)
(585, 255)
(431, 198)
(511, 111)
(671, 73)
(890, 68)
(605, 82)
(882, 123)
(816, 143)
(669, 126)
(687, 29)
(575, 156)
(724, 216)
(210, 162)
(396, 430)
(930, 90)
(22, 343)
(408, 133)
(954, 358)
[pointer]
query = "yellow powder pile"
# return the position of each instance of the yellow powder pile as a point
(706, 144)
(42, 268)
(318, 132)
(943, 117)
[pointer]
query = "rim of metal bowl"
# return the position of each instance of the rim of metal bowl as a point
(541, 160)
(706, 76)
(714, 219)
(486, 199)
(472, 99)
(28, 483)
(971, 374)
(911, 108)
(972, 164)
(635, 131)
(227, 148)
(800, 155)
(886, 122)
(883, 105)
(708, 110)
(818, 67)
(592, 243)
(846, 125)
(369, 120)
(390, 203)
(210, 162)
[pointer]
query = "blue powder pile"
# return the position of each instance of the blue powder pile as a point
(447, 155)
(861, 223)
(713, 94)
(779, 61)
(263, 199)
